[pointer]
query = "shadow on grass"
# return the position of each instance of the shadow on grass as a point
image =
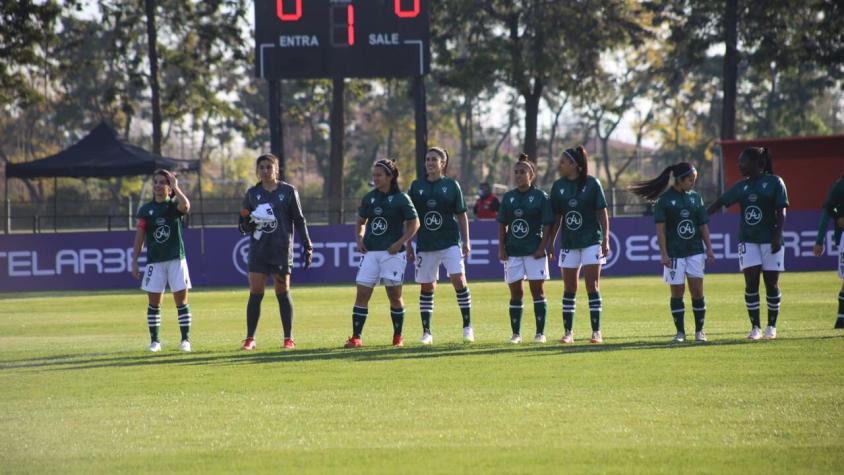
(365, 354)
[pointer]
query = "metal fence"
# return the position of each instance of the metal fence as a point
(102, 215)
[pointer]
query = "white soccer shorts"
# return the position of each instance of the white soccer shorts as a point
(525, 267)
(378, 265)
(574, 258)
(159, 275)
(841, 257)
(682, 267)
(754, 254)
(427, 265)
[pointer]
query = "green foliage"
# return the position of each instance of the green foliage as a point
(79, 394)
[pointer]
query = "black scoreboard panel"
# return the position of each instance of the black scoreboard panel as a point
(341, 38)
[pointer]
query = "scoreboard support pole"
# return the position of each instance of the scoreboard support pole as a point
(276, 135)
(335, 169)
(420, 111)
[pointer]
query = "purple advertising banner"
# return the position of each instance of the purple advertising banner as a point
(216, 257)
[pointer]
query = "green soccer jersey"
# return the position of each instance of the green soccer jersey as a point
(437, 202)
(683, 214)
(759, 198)
(524, 214)
(385, 215)
(834, 206)
(578, 208)
(163, 228)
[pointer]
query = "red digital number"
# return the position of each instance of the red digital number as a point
(402, 13)
(350, 22)
(279, 11)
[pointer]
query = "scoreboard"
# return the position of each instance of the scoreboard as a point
(341, 38)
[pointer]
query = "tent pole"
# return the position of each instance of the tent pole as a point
(201, 210)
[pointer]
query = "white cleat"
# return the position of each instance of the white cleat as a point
(154, 347)
(700, 336)
(539, 338)
(426, 339)
(679, 338)
(597, 337)
(185, 346)
(515, 339)
(755, 334)
(468, 335)
(567, 338)
(770, 333)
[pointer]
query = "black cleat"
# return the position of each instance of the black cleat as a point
(839, 323)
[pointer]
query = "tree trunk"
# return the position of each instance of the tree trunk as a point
(153, 76)
(531, 115)
(728, 115)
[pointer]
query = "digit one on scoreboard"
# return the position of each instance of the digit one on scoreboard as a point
(341, 38)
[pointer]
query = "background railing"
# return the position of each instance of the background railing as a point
(105, 215)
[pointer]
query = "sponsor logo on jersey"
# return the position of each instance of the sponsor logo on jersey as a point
(161, 234)
(433, 220)
(686, 229)
(752, 198)
(378, 226)
(518, 213)
(378, 211)
(574, 220)
(752, 215)
(684, 213)
(519, 228)
(431, 203)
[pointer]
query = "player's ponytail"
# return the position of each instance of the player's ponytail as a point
(650, 190)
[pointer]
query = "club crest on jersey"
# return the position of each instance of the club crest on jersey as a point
(161, 234)
(562, 191)
(518, 213)
(150, 212)
(745, 188)
(684, 213)
(752, 198)
(764, 185)
(371, 200)
(379, 226)
(673, 202)
(519, 228)
(752, 215)
(431, 203)
(378, 211)
(258, 197)
(281, 197)
(572, 202)
(390, 199)
(444, 188)
(511, 199)
(686, 229)
(530, 198)
(421, 192)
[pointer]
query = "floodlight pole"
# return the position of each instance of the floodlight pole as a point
(420, 108)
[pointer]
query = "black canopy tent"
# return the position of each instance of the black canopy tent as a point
(100, 154)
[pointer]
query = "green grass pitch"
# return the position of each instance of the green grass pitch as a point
(79, 393)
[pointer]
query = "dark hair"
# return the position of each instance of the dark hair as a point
(762, 157)
(390, 168)
(268, 157)
(579, 156)
(163, 172)
(651, 189)
(524, 160)
(442, 152)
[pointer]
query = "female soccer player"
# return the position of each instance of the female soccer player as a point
(270, 212)
(440, 201)
(524, 220)
(577, 200)
(763, 200)
(683, 236)
(386, 222)
(834, 207)
(160, 225)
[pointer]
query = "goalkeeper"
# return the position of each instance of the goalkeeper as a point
(271, 210)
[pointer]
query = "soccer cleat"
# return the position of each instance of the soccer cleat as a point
(353, 342)
(468, 335)
(289, 344)
(770, 332)
(539, 338)
(679, 338)
(567, 338)
(184, 346)
(700, 336)
(597, 337)
(516, 339)
(154, 347)
(398, 341)
(839, 323)
(755, 333)
(248, 344)
(426, 339)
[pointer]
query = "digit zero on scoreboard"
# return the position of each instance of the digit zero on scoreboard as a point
(341, 38)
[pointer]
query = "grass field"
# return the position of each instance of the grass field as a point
(78, 393)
